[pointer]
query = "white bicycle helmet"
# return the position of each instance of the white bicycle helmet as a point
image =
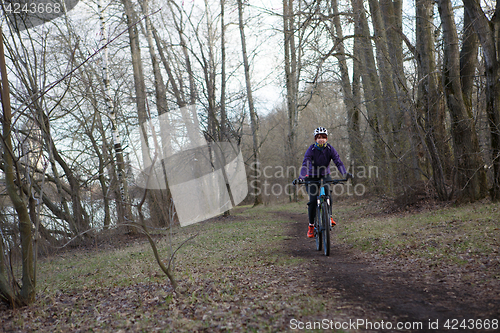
(320, 130)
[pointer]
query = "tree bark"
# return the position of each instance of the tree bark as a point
(158, 211)
(253, 114)
(371, 84)
(140, 94)
(429, 102)
(471, 178)
(468, 60)
(353, 121)
(223, 120)
(117, 166)
(404, 132)
(223, 131)
(28, 288)
(488, 33)
(390, 117)
(139, 85)
(291, 78)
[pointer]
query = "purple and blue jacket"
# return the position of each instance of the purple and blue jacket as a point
(317, 163)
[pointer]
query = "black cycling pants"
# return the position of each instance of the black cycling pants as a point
(313, 191)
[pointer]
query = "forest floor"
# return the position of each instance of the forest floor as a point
(431, 268)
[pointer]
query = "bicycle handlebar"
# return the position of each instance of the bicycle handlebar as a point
(327, 181)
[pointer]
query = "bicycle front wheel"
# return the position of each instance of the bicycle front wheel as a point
(325, 220)
(317, 229)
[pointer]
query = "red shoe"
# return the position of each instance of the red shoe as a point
(332, 222)
(310, 231)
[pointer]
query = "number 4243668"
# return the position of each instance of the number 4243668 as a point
(472, 324)
(31, 8)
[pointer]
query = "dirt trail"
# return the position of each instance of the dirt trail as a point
(383, 291)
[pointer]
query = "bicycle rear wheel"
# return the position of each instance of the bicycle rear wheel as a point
(325, 221)
(317, 229)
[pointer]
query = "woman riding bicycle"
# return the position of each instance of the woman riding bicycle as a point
(316, 165)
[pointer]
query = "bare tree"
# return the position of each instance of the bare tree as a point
(471, 178)
(388, 97)
(157, 211)
(488, 33)
(291, 78)
(371, 84)
(253, 114)
(9, 290)
(404, 133)
(122, 201)
(353, 113)
(223, 115)
(431, 116)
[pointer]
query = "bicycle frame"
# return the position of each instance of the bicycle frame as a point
(322, 224)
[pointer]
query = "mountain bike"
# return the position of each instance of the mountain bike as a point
(322, 224)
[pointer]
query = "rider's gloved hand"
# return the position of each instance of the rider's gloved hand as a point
(297, 181)
(349, 175)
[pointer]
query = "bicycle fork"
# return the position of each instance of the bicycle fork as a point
(318, 201)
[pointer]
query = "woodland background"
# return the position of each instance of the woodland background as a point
(411, 88)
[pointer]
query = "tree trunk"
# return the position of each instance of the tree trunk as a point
(223, 126)
(471, 178)
(429, 103)
(468, 60)
(140, 94)
(371, 84)
(391, 12)
(116, 168)
(404, 134)
(488, 33)
(253, 115)
(223, 132)
(291, 77)
(101, 167)
(209, 70)
(390, 117)
(355, 140)
(27, 293)
(139, 85)
(158, 211)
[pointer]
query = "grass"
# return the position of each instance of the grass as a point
(236, 274)
(450, 234)
(457, 244)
